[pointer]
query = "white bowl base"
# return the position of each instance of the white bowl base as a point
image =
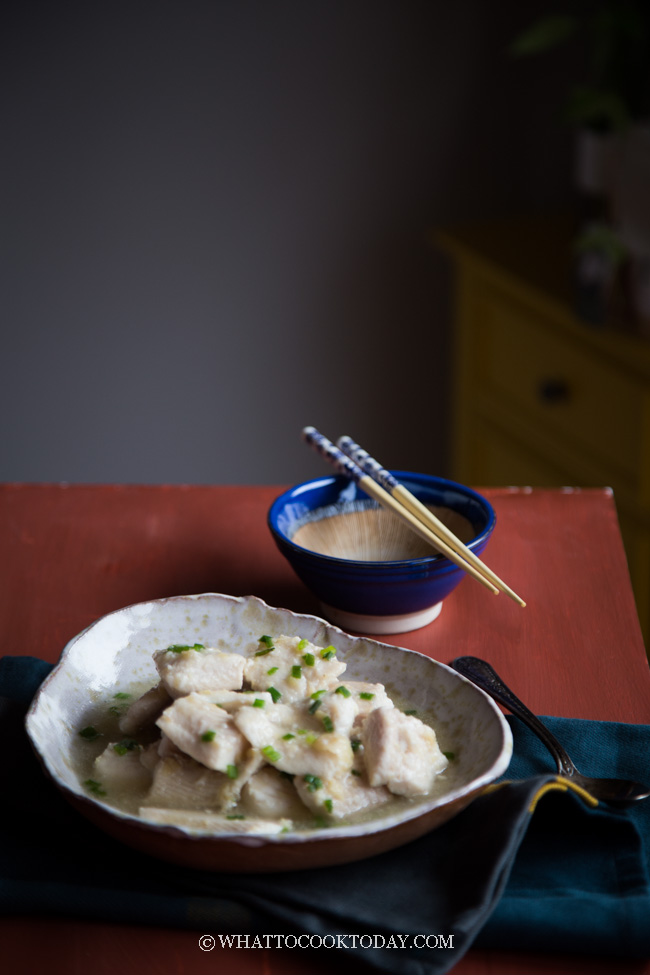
(402, 623)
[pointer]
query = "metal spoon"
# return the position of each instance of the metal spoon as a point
(614, 791)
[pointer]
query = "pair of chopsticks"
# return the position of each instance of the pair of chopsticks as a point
(356, 463)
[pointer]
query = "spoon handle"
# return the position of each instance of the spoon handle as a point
(485, 677)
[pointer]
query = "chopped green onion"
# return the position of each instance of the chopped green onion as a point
(288, 736)
(259, 702)
(232, 771)
(311, 738)
(208, 736)
(313, 708)
(268, 641)
(302, 731)
(94, 787)
(124, 746)
(450, 756)
(89, 733)
(235, 816)
(318, 694)
(342, 690)
(411, 711)
(309, 659)
(329, 805)
(365, 696)
(182, 647)
(328, 653)
(269, 752)
(275, 694)
(296, 672)
(355, 771)
(121, 696)
(327, 723)
(302, 644)
(313, 782)
(273, 670)
(355, 744)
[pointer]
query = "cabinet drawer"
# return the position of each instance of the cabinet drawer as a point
(499, 459)
(558, 385)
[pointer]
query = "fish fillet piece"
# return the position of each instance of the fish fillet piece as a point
(119, 767)
(181, 783)
(257, 724)
(341, 709)
(229, 786)
(212, 822)
(204, 731)
(251, 762)
(184, 671)
(293, 741)
(401, 752)
(270, 795)
(368, 697)
(149, 756)
(295, 668)
(263, 726)
(143, 712)
(340, 797)
(231, 701)
(166, 747)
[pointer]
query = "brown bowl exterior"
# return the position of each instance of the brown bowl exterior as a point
(230, 855)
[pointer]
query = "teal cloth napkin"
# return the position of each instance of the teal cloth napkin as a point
(562, 878)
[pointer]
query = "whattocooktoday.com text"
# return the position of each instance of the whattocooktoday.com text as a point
(209, 942)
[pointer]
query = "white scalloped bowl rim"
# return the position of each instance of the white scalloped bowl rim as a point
(116, 651)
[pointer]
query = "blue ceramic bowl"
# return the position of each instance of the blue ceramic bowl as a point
(376, 596)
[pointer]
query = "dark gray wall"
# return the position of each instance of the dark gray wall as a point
(214, 221)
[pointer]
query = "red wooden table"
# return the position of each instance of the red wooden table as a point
(71, 553)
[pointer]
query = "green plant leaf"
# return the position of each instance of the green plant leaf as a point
(601, 110)
(544, 35)
(601, 239)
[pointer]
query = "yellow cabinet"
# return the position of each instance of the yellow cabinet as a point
(541, 398)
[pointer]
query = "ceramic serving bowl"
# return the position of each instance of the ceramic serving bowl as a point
(394, 585)
(116, 652)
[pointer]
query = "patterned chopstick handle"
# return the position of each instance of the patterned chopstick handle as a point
(323, 446)
(367, 463)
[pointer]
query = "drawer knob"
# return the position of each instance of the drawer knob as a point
(553, 391)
